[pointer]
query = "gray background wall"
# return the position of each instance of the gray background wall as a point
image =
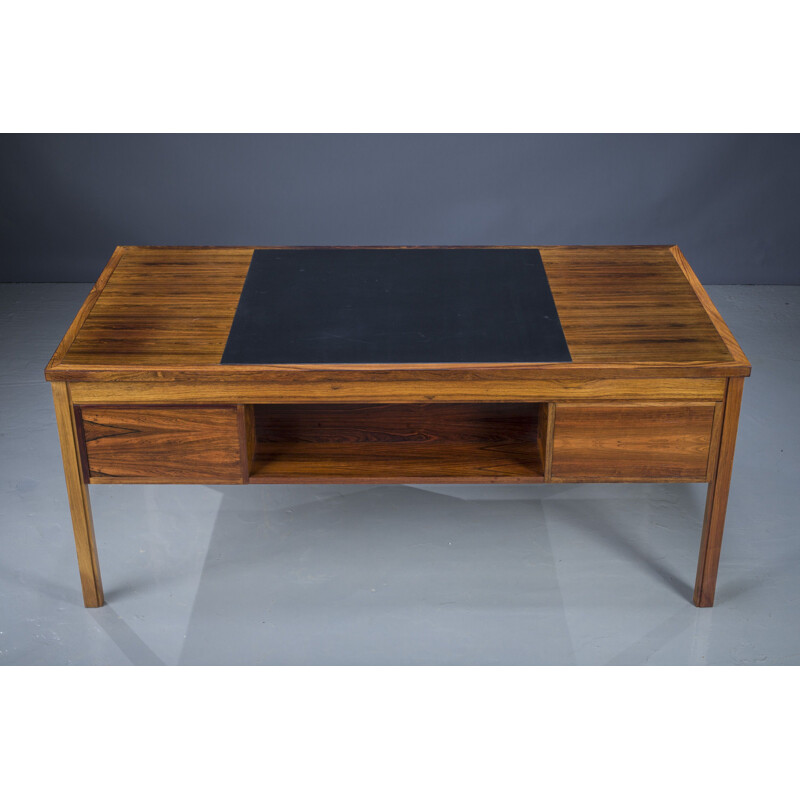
(730, 201)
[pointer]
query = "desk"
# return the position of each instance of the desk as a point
(155, 380)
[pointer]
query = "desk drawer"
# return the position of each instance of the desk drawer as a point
(161, 444)
(633, 441)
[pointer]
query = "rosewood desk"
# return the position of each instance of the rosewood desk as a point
(397, 365)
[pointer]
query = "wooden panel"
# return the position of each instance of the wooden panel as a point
(165, 313)
(717, 499)
(247, 438)
(716, 318)
(632, 442)
(171, 444)
(435, 389)
(88, 305)
(392, 462)
(629, 304)
(547, 422)
(306, 373)
(716, 433)
(163, 306)
(78, 495)
(397, 443)
(422, 422)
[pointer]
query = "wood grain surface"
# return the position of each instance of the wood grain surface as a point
(163, 307)
(620, 305)
(392, 462)
(173, 444)
(397, 443)
(78, 496)
(166, 312)
(717, 499)
(434, 387)
(716, 318)
(80, 318)
(546, 429)
(416, 423)
(632, 442)
(652, 394)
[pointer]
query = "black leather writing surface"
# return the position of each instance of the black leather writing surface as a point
(395, 306)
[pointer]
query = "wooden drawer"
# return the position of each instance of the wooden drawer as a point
(634, 441)
(162, 444)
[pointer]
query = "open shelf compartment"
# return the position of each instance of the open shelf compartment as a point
(396, 443)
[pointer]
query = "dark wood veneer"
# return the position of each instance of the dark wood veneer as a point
(653, 393)
(632, 441)
(162, 444)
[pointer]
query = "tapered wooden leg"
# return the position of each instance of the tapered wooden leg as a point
(717, 499)
(78, 493)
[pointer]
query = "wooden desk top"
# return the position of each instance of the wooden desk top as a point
(164, 313)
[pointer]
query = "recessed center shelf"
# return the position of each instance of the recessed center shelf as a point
(397, 443)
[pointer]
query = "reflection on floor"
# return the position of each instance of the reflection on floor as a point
(594, 574)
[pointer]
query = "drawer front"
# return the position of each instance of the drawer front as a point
(633, 442)
(161, 444)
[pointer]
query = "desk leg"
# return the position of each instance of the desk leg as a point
(717, 499)
(78, 493)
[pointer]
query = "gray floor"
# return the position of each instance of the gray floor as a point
(594, 574)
